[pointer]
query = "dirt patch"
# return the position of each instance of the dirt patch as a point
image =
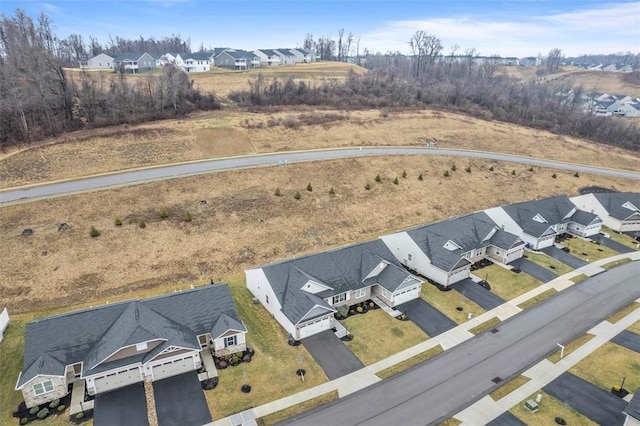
(238, 222)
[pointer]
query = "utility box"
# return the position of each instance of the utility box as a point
(531, 405)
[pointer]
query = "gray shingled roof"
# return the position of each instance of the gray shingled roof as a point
(554, 210)
(343, 269)
(127, 57)
(198, 56)
(468, 232)
(303, 50)
(93, 334)
(268, 52)
(613, 201)
(585, 218)
(633, 407)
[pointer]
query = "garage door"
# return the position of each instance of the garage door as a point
(312, 327)
(173, 368)
(406, 295)
(118, 380)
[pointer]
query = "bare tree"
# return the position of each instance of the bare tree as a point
(554, 58)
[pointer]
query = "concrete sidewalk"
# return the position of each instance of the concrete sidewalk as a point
(485, 409)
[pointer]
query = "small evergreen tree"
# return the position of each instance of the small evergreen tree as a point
(491, 168)
(297, 196)
(278, 193)
(164, 213)
(367, 186)
(94, 233)
(530, 169)
(420, 176)
(513, 172)
(378, 178)
(404, 174)
(454, 168)
(395, 181)
(117, 221)
(187, 217)
(446, 173)
(468, 169)
(309, 188)
(332, 191)
(576, 174)
(142, 224)
(554, 176)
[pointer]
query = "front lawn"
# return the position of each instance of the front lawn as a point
(548, 262)
(587, 250)
(621, 238)
(608, 365)
(616, 263)
(377, 335)
(549, 409)
(505, 283)
(447, 302)
(570, 347)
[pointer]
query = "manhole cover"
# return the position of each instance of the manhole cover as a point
(496, 379)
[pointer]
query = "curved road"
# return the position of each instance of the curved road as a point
(440, 388)
(137, 176)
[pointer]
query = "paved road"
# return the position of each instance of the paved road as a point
(436, 390)
(133, 177)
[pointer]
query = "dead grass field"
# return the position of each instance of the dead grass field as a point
(242, 223)
(608, 365)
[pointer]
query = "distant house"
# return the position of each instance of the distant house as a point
(196, 62)
(529, 61)
(4, 322)
(99, 62)
(115, 345)
(238, 60)
(305, 56)
(286, 56)
(610, 67)
(625, 68)
(133, 63)
(444, 251)
(619, 211)
(538, 222)
(303, 294)
(268, 57)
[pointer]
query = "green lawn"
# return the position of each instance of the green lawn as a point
(549, 409)
(621, 238)
(587, 250)
(447, 302)
(507, 284)
(377, 335)
(608, 365)
(548, 262)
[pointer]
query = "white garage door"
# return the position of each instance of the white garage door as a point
(173, 368)
(405, 295)
(118, 380)
(313, 327)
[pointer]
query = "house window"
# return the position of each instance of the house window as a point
(44, 387)
(361, 292)
(230, 341)
(479, 252)
(339, 298)
(266, 298)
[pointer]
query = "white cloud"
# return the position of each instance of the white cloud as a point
(609, 29)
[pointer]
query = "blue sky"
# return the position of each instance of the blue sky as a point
(508, 28)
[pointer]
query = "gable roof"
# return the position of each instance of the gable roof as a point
(128, 57)
(92, 335)
(338, 271)
(613, 202)
(198, 56)
(268, 52)
(553, 210)
(303, 50)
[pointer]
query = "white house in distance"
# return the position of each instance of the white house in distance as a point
(98, 62)
(119, 344)
(268, 57)
(195, 62)
(303, 294)
(444, 251)
(619, 211)
(538, 222)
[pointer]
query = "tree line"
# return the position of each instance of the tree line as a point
(39, 98)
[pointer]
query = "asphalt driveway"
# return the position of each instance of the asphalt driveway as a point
(628, 339)
(608, 242)
(125, 406)
(478, 294)
(535, 270)
(180, 401)
(599, 405)
(429, 319)
(506, 419)
(333, 356)
(564, 257)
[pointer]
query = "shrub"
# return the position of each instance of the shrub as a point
(61, 408)
(513, 172)
(43, 413)
(491, 168)
(80, 415)
(142, 224)
(278, 193)
(94, 233)
(54, 403)
(187, 217)
(468, 169)
(332, 191)
(446, 173)
(395, 181)
(34, 410)
(24, 421)
(576, 174)
(554, 176)
(297, 196)
(117, 221)
(359, 309)
(420, 176)
(378, 178)
(453, 167)
(309, 187)
(367, 186)
(404, 174)
(530, 169)
(164, 213)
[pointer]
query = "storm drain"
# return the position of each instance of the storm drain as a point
(495, 330)
(496, 379)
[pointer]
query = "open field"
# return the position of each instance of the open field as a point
(506, 284)
(242, 223)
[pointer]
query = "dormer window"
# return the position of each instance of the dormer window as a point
(539, 219)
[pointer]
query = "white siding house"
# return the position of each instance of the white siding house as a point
(98, 62)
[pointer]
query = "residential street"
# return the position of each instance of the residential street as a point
(460, 376)
(138, 176)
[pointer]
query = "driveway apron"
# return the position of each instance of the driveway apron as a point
(333, 356)
(180, 401)
(429, 319)
(564, 257)
(478, 294)
(614, 245)
(628, 339)
(535, 270)
(506, 419)
(125, 406)
(599, 405)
